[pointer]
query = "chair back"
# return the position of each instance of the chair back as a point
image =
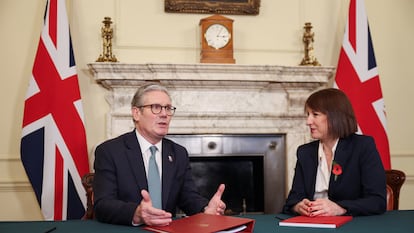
(87, 182)
(395, 179)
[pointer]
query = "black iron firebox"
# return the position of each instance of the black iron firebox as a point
(251, 165)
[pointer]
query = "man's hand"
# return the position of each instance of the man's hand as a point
(147, 214)
(216, 205)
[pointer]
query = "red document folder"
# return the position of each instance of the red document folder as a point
(318, 222)
(204, 223)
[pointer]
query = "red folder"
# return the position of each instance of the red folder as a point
(318, 221)
(205, 223)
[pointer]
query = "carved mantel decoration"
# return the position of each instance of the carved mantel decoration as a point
(225, 7)
(219, 98)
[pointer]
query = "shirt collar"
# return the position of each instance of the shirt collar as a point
(144, 144)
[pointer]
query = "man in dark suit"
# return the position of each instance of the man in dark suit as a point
(122, 166)
(340, 173)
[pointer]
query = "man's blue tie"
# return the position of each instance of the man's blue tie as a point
(154, 181)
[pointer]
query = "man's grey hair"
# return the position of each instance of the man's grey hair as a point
(138, 98)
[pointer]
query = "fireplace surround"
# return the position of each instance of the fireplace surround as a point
(222, 100)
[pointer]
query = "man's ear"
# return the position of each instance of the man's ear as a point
(136, 113)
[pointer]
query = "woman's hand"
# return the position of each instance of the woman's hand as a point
(303, 207)
(319, 207)
(325, 207)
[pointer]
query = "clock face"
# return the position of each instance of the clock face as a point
(217, 36)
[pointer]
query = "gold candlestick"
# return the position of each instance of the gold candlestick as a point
(308, 37)
(107, 35)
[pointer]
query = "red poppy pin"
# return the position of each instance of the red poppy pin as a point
(336, 169)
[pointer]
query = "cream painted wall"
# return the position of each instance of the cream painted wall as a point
(144, 33)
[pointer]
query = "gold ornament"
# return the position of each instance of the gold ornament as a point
(107, 35)
(309, 59)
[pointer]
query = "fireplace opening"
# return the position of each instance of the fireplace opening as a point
(242, 175)
(253, 167)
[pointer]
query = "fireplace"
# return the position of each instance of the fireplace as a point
(259, 107)
(243, 176)
(251, 166)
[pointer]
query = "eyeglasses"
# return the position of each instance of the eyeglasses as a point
(157, 108)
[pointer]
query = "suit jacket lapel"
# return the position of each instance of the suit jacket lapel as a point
(342, 153)
(168, 164)
(136, 162)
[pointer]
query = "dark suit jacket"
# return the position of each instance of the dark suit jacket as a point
(120, 176)
(360, 189)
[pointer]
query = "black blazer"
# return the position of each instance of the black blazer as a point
(360, 189)
(120, 176)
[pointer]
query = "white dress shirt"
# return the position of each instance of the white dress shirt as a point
(324, 172)
(146, 153)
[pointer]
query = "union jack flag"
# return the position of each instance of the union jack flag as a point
(53, 145)
(357, 76)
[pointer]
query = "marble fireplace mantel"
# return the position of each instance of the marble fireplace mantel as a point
(219, 98)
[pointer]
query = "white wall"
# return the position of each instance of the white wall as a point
(144, 33)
